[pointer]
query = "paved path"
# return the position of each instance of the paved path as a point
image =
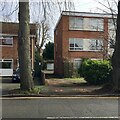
(6, 85)
(59, 107)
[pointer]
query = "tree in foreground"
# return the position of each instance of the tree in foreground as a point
(26, 82)
(116, 55)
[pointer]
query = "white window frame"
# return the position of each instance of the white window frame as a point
(6, 71)
(86, 24)
(77, 59)
(83, 48)
(9, 37)
(6, 60)
(74, 24)
(96, 22)
(74, 48)
(97, 40)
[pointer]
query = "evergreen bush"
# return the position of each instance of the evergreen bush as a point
(95, 71)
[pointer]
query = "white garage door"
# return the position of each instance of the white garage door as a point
(6, 67)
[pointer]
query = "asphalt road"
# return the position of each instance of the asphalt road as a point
(59, 107)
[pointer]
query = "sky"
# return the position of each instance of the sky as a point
(85, 5)
(80, 6)
(93, 5)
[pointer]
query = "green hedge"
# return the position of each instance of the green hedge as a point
(96, 71)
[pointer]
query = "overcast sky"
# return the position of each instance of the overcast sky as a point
(80, 5)
(85, 5)
(93, 5)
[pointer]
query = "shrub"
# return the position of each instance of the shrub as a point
(95, 71)
(69, 70)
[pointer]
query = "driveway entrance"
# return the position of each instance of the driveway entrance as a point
(6, 85)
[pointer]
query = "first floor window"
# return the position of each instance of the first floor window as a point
(75, 44)
(6, 40)
(96, 44)
(79, 44)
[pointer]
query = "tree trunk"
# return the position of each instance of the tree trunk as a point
(116, 55)
(26, 80)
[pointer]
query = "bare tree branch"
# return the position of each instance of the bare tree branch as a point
(43, 34)
(2, 6)
(12, 11)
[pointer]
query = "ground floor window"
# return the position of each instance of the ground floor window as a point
(6, 67)
(77, 63)
(6, 64)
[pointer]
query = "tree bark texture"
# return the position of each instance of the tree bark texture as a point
(116, 55)
(26, 80)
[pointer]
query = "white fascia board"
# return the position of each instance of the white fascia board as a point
(8, 34)
(14, 35)
(87, 14)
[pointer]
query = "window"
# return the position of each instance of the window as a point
(96, 44)
(76, 23)
(6, 64)
(79, 44)
(91, 24)
(77, 63)
(75, 44)
(111, 43)
(96, 24)
(6, 41)
(112, 24)
(112, 32)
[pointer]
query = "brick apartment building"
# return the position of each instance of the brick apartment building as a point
(80, 35)
(9, 47)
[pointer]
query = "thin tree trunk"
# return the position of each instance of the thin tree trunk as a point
(26, 80)
(116, 55)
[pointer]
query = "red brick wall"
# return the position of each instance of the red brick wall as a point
(58, 67)
(10, 52)
(62, 41)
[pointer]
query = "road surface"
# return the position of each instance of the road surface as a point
(49, 107)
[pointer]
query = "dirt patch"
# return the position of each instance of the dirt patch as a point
(68, 87)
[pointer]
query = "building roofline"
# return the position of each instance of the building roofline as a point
(1, 22)
(75, 13)
(58, 21)
(84, 14)
(15, 35)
